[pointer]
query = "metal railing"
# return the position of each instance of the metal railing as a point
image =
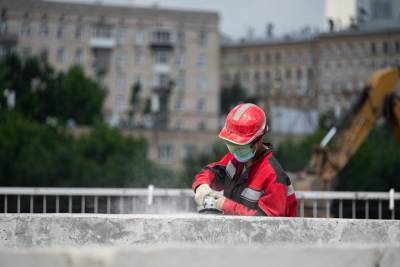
(377, 205)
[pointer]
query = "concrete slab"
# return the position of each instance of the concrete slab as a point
(46, 230)
(202, 255)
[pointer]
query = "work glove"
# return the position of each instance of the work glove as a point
(201, 192)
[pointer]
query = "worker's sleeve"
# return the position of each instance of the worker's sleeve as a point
(233, 208)
(208, 174)
(271, 203)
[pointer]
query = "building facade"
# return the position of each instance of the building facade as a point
(297, 79)
(281, 75)
(171, 55)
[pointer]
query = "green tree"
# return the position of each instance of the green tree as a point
(375, 166)
(34, 154)
(134, 100)
(40, 92)
(231, 96)
(78, 97)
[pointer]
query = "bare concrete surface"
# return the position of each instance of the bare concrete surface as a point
(49, 230)
(202, 255)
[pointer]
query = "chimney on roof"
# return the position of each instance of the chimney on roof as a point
(250, 33)
(269, 30)
(331, 25)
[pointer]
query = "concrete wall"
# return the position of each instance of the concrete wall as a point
(123, 230)
(206, 256)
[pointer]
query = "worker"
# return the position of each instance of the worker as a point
(248, 180)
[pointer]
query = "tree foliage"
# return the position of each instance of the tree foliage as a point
(231, 96)
(374, 167)
(34, 154)
(41, 93)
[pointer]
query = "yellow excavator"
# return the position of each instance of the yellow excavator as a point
(378, 99)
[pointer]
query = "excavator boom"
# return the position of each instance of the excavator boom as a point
(379, 98)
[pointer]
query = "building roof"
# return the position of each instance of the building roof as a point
(307, 38)
(93, 9)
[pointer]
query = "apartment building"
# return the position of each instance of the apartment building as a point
(297, 78)
(281, 74)
(173, 55)
(346, 61)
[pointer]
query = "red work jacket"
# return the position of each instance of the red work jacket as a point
(264, 189)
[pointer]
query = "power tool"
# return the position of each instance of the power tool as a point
(210, 206)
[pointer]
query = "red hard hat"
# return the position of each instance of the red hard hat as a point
(244, 123)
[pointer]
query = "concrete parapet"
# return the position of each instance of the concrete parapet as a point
(46, 230)
(201, 255)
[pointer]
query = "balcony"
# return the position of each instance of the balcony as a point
(8, 39)
(161, 40)
(102, 43)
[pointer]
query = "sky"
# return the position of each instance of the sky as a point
(237, 16)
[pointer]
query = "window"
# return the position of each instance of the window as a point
(120, 60)
(139, 38)
(180, 80)
(179, 125)
(227, 77)
(161, 57)
(161, 36)
(121, 83)
(3, 22)
(203, 38)
(179, 61)
(187, 150)
(288, 74)
(60, 32)
(165, 152)
(267, 58)
(278, 57)
(385, 48)
(267, 75)
(44, 54)
(202, 60)
(179, 105)
(61, 28)
(139, 57)
(139, 79)
(102, 31)
(26, 26)
(79, 56)
(245, 76)
(61, 55)
(162, 80)
(397, 47)
(373, 48)
(257, 59)
(26, 52)
(381, 9)
(245, 59)
(121, 34)
(120, 102)
(299, 74)
(79, 32)
(181, 38)
(44, 27)
(201, 105)
(202, 126)
(201, 84)
(256, 76)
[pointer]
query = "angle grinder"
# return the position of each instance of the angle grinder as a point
(210, 206)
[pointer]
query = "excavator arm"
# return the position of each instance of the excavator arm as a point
(392, 114)
(379, 98)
